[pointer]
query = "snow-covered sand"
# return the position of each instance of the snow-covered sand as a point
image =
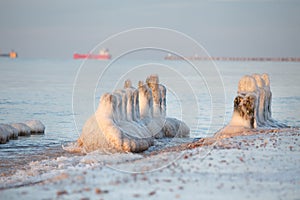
(263, 166)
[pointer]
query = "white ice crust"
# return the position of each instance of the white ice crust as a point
(129, 119)
(13, 130)
(252, 107)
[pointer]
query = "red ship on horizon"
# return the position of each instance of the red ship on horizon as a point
(103, 55)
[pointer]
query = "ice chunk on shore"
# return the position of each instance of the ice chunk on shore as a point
(7, 133)
(23, 129)
(12, 131)
(252, 107)
(36, 126)
(4, 134)
(128, 120)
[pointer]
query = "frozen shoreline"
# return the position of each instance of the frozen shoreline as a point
(246, 169)
(258, 166)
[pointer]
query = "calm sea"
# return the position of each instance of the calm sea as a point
(63, 93)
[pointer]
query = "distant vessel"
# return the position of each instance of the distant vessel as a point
(11, 54)
(241, 59)
(175, 57)
(103, 55)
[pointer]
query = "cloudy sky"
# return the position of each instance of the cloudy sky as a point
(57, 29)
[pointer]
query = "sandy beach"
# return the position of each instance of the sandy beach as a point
(263, 166)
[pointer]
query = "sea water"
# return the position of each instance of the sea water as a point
(64, 93)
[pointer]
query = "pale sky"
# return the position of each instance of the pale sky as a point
(57, 29)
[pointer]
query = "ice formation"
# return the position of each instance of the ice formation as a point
(128, 120)
(12, 131)
(23, 129)
(36, 126)
(252, 107)
(7, 132)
